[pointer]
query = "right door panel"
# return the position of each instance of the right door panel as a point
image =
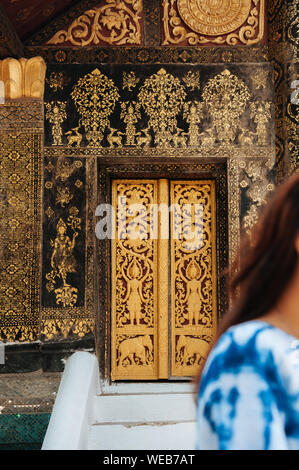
(193, 274)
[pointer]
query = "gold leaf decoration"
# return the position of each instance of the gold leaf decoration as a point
(115, 22)
(162, 96)
(193, 265)
(63, 261)
(229, 22)
(56, 114)
(225, 97)
(95, 96)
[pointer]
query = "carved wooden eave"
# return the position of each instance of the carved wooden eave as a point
(111, 22)
(101, 8)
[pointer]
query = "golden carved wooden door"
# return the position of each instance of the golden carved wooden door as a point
(163, 306)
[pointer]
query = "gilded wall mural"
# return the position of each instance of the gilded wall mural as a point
(67, 276)
(283, 51)
(160, 107)
(213, 22)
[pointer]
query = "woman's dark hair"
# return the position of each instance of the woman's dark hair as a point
(267, 259)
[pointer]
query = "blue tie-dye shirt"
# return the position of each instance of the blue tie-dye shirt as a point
(249, 392)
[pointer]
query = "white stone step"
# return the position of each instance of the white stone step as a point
(163, 421)
(166, 436)
(160, 407)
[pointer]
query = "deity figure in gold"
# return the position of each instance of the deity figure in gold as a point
(193, 113)
(56, 114)
(63, 262)
(62, 259)
(134, 296)
(130, 114)
(193, 296)
(260, 112)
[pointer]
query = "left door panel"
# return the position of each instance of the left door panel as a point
(134, 315)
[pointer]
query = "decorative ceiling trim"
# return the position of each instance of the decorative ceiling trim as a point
(150, 55)
(112, 22)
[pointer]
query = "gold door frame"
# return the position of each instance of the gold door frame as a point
(140, 282)
(163, 168)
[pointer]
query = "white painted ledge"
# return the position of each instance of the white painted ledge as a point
(72, 412)
(164, 436)
(155, 408)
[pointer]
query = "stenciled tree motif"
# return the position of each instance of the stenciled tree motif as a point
(162, 97)
(225, 97)
(95, 96)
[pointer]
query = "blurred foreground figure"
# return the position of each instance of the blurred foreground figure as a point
(249, 387)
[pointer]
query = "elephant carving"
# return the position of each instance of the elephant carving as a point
(138, 350)
(190, 351)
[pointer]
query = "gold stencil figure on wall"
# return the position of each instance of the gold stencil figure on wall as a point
(130, 113)
(193, 114)
(56, 114)
(63, 261)
(260, 112)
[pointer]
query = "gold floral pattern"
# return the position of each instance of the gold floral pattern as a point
(114, 22)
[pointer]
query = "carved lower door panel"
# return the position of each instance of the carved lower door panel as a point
(143, 327)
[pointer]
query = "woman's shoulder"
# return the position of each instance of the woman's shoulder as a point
(251, 347)
(256, 338)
